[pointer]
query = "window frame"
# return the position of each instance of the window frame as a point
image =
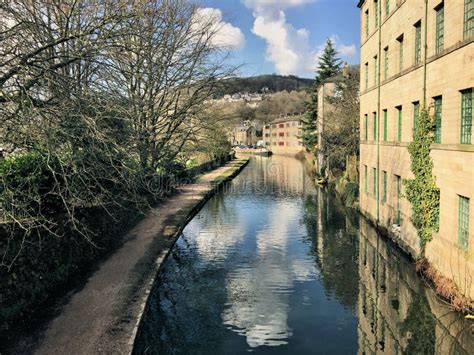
(416, 115)
(385, 123)
(375, 126)
(468, 19)
(463, 222)
(399, 193)
(400, 119)
(376, 70)
(367, 23)
(376, 10)
(438, 111)
(439, 31)
(400, 52)
(366, 76)
(418, 42)
(466, 111)
(366, 123)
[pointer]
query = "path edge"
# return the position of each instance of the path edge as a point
(145, 290)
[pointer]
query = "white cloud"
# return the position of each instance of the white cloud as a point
(288, 47)
(343, 49)
(227, 36)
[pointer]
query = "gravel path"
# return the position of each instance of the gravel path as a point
(103, 316)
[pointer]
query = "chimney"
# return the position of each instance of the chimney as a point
(345, 70)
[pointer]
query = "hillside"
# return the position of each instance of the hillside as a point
(274, 83)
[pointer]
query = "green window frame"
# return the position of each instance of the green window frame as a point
(400, 118)
(463, 222)
(439, 28)
(468, 19)
(400, 53)
(399, 194)
(374, 172)
(418, 43)
(376, 70)
(367, 24)
(366, 180)
(376, 8)
(416, 115)
(466, 116)
(385, 55)
(438, 110)
(387, 7)
(375, 126)
(385, 124)
(366, 123)
(366, 76)
(384, 196)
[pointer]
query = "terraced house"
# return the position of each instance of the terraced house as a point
(417, 53)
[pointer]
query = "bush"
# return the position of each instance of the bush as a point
(351, 193)
(27, 185)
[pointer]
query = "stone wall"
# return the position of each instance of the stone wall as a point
(447, 73)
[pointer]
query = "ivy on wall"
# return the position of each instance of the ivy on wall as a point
(422, 192)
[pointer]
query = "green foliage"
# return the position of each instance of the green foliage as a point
(27, 184)
(422, 192)
(329, 64)
(351, 193)
(308, 135)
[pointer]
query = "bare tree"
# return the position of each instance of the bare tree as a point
(164, 72)
(96, 97)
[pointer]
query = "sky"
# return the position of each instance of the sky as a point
(284, 36)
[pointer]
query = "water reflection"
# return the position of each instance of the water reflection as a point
(274, 265)
(397, 312)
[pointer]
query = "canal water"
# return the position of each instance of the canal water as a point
(274, 265)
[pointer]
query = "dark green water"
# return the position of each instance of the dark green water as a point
(274, 265)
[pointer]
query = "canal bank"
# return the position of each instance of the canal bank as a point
(274, 265)
(102, 316)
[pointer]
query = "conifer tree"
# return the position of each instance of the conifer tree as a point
(329, 63)
(328, 66)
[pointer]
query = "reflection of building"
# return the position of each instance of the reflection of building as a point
(399, 77)
(397, 312)
(283, 135)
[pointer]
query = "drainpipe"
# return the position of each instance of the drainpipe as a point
(379, 58)
(425, 54)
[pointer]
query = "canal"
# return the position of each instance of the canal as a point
(274, 265)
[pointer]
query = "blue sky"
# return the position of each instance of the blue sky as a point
(286, 36)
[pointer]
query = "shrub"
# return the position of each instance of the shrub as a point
(351, 193)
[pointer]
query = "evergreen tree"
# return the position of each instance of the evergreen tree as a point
(329, 65)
